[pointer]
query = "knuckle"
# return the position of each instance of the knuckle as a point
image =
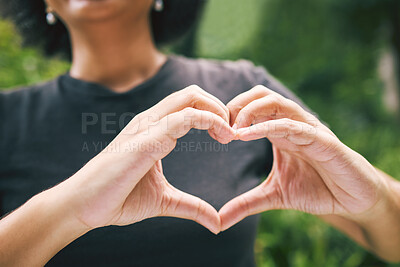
(193, 90)
(194, 87)
(292, 104)
(191, 95)
(137, 119)
(234, 107)
(276, 104)
(189, 116)
(175, 96)
(313, 121)
(188, 99)
(260, 89)
(275, 99)
(189, 111)
(134, 121)
(288, 122)
(285, 124)
(246, 114)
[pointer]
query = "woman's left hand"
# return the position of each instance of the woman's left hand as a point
(312, 171)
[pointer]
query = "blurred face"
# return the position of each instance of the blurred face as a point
(78, 12)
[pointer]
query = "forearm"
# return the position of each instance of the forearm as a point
(35, 232)
(378, 229)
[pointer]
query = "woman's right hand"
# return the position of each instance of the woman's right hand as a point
(122, 185)
(125, 184)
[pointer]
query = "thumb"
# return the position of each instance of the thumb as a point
(183, 205)
(261, 198)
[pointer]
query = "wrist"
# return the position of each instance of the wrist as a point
(38, 230)
(58, 206)
(386, 207)
(383, 204)
(379, 224)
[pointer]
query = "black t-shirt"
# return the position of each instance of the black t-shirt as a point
(49, 131)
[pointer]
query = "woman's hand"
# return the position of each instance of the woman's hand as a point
(126, 186)
(312, 171)
(122, 185)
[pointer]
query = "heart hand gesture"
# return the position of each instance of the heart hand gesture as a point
(312, 172)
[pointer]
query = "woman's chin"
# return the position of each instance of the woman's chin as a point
(95, 9)
(91, 3)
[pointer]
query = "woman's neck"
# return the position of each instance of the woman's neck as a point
(115, 56)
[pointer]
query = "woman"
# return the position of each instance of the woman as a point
(93, 140)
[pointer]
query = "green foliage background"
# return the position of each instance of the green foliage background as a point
(326, 52)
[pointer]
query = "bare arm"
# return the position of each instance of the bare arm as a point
(36, 231)
(378, 230)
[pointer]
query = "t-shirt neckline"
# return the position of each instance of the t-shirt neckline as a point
(75, 85)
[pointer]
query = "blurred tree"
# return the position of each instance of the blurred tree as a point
(371, 20)
(23, 66)
(228, 27)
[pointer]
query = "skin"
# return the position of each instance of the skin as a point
(132, 190)
(314, 172)
(111, 41)
(324, 176)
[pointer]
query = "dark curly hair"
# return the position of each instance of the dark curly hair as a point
(29, 17)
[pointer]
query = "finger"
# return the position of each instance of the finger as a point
(192, 96)
(259, 199)
(182, 205)
(298, 133)
(178, 124)
(242, 100)
(272, 107)
(162, 137)
(292, 135)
